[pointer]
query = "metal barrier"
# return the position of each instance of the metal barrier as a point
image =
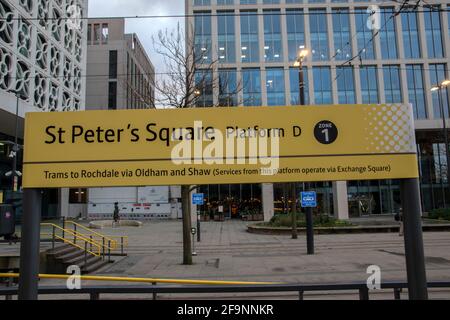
(153, 281)
(112, 243)
(94, 243)
(72, 242)
(94, 292)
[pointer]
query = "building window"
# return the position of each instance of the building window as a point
(97, 34)
(295, 32)
(440, 163)
(77, 196)
(433, 32)
(202, 2)
(249, 37)
(369, 84)
(227, 88)
(226, 37)
(89, 35)
(113, 64)
(448, 20)
(271, 1)
(322, 85)
(112, 95)
(251, 79)
(248, 1)
(225, 2)
(437, 75)
(388, 34)
(341, 34)
(364, 34)
(392, 84)
(204, 86)
(411, 41)
(295, 85)
(105, 33)
(275, 87)
(202, 37)
(346, 85)
(273, 48)
(319, 34)
(416, 90)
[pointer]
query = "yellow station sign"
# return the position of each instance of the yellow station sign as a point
(219, 146)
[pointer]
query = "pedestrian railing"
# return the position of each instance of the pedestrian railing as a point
(95, 292)
(90, 241)
(71, 238)
(114, 245)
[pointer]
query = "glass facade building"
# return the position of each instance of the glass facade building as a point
(350, 62)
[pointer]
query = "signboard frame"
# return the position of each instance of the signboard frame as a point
(122, 148)
(327, 135)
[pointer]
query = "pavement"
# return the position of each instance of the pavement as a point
(228, 252)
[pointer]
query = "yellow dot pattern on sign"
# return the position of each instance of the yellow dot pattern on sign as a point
(390, 129)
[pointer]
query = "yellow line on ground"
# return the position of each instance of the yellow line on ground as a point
(140, 280)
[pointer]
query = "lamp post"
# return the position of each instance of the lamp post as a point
(439, 90)
(303, 53)
(15, 147)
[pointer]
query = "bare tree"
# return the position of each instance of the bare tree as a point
(189, 80)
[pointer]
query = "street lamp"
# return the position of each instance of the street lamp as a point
(438, 88)
(15, 149)
(302, 54)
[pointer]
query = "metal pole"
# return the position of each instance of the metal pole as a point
(154, 293)
(309, 215)
(109, 250)
(85, 255)
(29, 245)
(9, 284)
(53, 237)
(292, 188)
(64, 227)
(301, 83)
(193, 246)
(309, 229)
(15, 148)
(414, 252)
(294, 210)
(103, 248)
(198, 225)
(444, 129)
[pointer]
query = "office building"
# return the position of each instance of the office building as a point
(255, 43)
(120, 75)
(119, 71)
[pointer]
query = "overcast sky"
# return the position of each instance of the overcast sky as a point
(144, 28)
